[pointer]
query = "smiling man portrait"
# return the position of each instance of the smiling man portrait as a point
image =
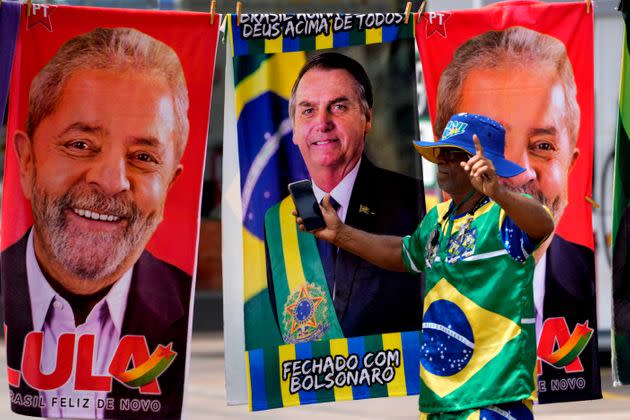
(106, 128)
(331, 107)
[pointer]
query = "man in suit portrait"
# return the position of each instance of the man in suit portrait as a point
(106, 128)
(331, 110)
(524, 80)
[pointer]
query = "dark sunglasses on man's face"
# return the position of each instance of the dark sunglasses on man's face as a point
(451, 154)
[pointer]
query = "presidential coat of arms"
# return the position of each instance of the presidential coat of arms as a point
(305, 315)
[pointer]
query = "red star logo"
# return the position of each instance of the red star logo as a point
(165, 352)
(436, 22)
(290, 309)
(582, 329)
(40, 14)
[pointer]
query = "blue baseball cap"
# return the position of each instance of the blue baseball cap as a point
(458, 133)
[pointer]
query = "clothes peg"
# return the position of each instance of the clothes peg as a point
(407, 11)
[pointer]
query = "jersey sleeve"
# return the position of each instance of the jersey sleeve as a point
(413, 252)
(516, 242)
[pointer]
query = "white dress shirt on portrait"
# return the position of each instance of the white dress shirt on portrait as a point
(342, 191)
(539, 292)
(53, 316)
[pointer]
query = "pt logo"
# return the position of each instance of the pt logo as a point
(436, 22)
(40, 15)
(560, 348)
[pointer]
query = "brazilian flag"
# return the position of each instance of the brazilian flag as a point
(264, 71)
(268, 161)
(621, 222)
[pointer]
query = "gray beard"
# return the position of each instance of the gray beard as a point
(554, 206)
(89, 255)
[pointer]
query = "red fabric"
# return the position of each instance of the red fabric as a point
(193, 39)
(567, 22)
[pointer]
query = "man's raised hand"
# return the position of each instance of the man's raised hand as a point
(480, 170)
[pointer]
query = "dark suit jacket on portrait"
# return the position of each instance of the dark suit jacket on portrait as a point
(621, 297)
(570, 293)
(157, 308)
(621, 276)
(370, 300)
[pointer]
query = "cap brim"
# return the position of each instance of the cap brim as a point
(504, 167)
(427, 148)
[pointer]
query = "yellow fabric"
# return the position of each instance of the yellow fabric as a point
(491, 331)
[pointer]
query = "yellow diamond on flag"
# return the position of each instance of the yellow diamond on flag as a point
(474, 415)
(459, 338)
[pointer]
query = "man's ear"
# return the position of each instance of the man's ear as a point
(24, 154)
(574, 157)
(178, 171)
(368, 121)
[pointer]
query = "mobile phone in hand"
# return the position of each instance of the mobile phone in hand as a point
(307, 205)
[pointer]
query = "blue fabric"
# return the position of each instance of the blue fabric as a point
(257, 376)
(356, 345)
(411, 356)
(518, 244)
(304, 351)
(341, 39)
(9, 23)
(514, 410)
(261, 117)
(240, 45)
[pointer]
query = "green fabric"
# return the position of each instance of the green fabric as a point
(247, 65)
(622, 343)
(473, 271)
(264, 330)
(305, 311)
(406, 31)
(357, 37)
(256, 46)
(322, 349)
(374, 344)
(272, 384)
(307, 43)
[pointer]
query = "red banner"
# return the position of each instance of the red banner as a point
(529, 65)
(106, 145)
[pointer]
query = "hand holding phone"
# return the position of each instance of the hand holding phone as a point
(306, 205)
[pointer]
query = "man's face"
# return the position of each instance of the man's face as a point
(530, 104)
(329, 124)
(451, 177)
(97, 171)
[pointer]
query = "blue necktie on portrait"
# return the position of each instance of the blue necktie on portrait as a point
(328, 255)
